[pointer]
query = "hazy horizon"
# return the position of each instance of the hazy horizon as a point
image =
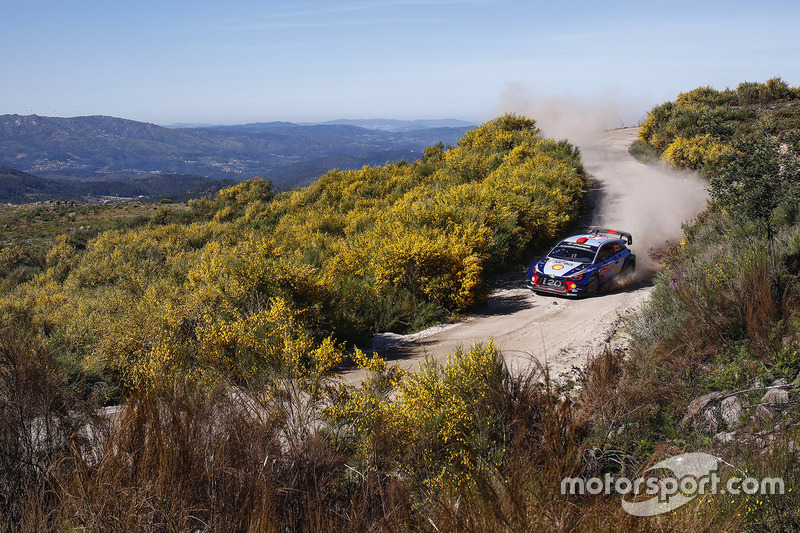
(298, 123)
(304, 61)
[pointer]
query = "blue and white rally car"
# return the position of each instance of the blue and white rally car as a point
(581, 264)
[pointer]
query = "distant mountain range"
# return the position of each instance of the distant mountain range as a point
(101, 148)
(369, 124)
(402, 125)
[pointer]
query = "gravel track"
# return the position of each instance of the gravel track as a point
(649, 201)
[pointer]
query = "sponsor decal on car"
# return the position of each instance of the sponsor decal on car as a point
(581, 264)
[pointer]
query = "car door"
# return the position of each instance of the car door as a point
(617, 259)
(605, 262)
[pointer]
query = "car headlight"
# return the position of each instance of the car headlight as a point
(577, 276)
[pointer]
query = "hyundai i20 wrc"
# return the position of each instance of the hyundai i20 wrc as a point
(580, 265)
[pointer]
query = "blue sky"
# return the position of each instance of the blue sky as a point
(244, 61)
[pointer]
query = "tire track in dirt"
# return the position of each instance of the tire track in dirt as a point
(648, 201)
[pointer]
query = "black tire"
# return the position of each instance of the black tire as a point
(592, 286)
(628, 271)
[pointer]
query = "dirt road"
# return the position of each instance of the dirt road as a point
(649, 202)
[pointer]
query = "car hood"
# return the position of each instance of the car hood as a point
(560, 267)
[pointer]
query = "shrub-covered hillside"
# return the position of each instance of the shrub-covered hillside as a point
(250, 278)
(257, 289)
(701, 126)
(720, 337)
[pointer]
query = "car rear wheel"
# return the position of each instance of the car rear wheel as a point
(628, 271)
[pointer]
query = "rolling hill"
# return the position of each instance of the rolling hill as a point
(107, 148)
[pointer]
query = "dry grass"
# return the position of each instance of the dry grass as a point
(193, 461)
(40, 423)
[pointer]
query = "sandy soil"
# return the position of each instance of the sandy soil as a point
(649, 202)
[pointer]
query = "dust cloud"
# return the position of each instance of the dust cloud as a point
(649, 201)
(579, 120)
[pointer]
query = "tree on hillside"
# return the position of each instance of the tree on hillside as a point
(759, 176)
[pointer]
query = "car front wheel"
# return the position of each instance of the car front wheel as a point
(592, 286)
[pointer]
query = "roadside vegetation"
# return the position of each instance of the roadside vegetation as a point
(223, 287)
(703, 125)
(717, 345)
(220, 327)
(252, 299)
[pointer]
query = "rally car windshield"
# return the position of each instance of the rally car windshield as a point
(583, 254)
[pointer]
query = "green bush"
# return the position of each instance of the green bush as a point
(726, 116)
(643, 152)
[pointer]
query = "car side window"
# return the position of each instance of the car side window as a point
(604, 253)
(618, 247)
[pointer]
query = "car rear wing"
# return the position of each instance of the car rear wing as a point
(624, 235)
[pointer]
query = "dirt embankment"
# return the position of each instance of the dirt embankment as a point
(649, 202)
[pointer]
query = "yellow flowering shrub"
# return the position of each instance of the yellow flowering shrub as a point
(59, 258)
(382, 248)
(441, 414)
(270, 340)
(12, 255)
(699, 128)
(695, 153)
(652, 129)
(444, 267)
(247, 192)
(701, 95)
